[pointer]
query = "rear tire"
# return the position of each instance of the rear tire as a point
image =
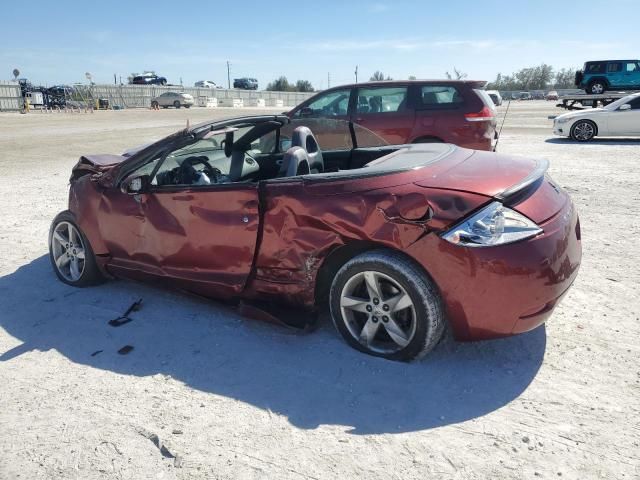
(71, 255)
(596, 87)
(176, 104)
(583, 130)
(383, 304)
(154, 105)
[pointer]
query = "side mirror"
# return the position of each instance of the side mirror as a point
(306, 112)
(624, 107)
(135, 184)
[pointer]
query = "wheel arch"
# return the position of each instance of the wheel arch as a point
(591, 121)
(599, 78)
(339, 256)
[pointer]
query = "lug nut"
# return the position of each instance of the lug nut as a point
(385, 319)
(369, 308)
(375, 319)
(376, 301)
(385, 307)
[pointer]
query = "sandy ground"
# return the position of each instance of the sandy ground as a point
(232, 398)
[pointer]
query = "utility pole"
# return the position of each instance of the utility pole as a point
(115, 80)
(356, 73)
(228, 75)
(328, 80)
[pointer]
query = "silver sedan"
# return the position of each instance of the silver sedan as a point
(172, 99)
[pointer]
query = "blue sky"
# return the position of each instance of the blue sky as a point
(305, 39)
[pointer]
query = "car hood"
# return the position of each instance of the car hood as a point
(591, 111)
(96, 163)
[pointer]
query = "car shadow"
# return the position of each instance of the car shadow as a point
(312, 379)
(596, 141)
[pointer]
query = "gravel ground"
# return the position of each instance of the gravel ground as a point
(207, 394)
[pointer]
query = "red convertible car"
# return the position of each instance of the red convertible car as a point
(400, 240)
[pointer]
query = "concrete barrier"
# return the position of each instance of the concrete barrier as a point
(231, 102)
(255, 102)
(276, 102)
(208, 102)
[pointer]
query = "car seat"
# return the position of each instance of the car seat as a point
(294, 163)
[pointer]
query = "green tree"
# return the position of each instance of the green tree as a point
(565, 78)
(530, 78)
(279, 85)
(412, 77)
(304, 86)
(457, 74)
(378, 76)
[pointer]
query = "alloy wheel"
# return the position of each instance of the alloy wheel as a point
(378, 312)
(597, 88)
(68, 251)
(584, 131)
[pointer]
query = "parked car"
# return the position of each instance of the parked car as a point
(449, 111)
(172, 99)
(206, 84)
(397, 239)
(619, 118)
(515, 96)
(525, 96)
(552, 95)
(148, 80)
(537, 96)
(245, 83)
(495, 96)
(599, 76)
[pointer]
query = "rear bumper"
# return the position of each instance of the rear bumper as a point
(500, 291)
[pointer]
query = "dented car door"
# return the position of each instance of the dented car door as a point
(204, 238)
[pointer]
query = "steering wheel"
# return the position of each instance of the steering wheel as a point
(188, 175)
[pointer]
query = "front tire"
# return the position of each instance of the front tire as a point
(583, 130)
(176, 104)
(384, 305)
(71, 255)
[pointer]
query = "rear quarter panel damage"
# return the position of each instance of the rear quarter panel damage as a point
(303, 223)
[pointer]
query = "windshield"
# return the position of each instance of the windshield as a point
(615, 105)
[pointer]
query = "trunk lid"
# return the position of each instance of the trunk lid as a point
(520, 183)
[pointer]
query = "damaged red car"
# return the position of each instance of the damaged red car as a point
(399, 240)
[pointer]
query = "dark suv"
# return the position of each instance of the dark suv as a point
(245, 83)
(602, 75)
(149, 80)
(412, 111)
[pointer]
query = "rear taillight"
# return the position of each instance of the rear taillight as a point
(484, 115)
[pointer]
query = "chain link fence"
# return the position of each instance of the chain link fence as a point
(137, 96)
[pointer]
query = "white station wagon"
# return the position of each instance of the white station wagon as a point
(620, 118)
